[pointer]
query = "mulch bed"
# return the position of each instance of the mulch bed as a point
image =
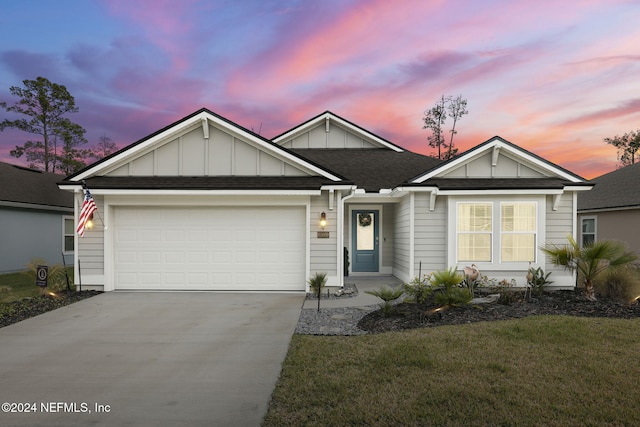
(572, 303)
(25, 308)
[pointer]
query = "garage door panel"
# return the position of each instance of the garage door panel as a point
(198, 248)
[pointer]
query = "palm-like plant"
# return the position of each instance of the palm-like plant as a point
(590, 261)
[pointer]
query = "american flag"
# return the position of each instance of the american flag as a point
(88, 208)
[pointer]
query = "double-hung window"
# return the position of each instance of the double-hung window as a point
(588, 234)
(504, 232)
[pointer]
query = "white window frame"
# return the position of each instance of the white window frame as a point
(496, 262)
(595, 228)
(65, 235)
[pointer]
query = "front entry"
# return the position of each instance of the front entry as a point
(365, 247)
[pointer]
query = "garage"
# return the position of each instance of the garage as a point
(252, 248)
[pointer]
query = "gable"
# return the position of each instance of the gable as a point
(498, 158)
(486, 165)
(204, 144)
(328, 131)
(221, 154)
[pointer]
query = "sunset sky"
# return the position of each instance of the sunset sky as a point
(555, 77)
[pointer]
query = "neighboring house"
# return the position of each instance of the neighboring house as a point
(611, 211)
(36, 218)
(205, 204)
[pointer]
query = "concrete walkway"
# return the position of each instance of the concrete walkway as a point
(148, 359)
(363, 283)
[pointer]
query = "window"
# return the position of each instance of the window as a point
(588, 234)
(518, 232)
(475, 229)
(497, 231)
(68, 234)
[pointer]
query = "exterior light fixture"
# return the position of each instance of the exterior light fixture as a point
(323, 220)
(89, 224)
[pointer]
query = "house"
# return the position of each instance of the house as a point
(36, 218)
(611, 210)
(205, 204)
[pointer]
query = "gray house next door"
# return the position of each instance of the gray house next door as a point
(365, 241)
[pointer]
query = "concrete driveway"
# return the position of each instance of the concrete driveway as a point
(148, 359)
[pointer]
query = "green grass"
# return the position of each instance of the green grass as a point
(15, 286)
(546, 370)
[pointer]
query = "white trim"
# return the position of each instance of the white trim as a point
(496, 263)
(494, 144)
(594, 218)
(196, 121)
(373, 207)
(325, 118)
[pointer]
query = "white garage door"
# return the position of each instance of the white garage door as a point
(209, 248)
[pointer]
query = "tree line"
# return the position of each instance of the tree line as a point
(59, 145)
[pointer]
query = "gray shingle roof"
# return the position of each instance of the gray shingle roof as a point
(498, 183)
(206, 182)
(23, 185)
(371, 169)
(614, 190)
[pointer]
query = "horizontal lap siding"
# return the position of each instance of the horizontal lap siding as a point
(90, 251)
(559, 225)
(401, 247)
(430, 234)
(323, 251)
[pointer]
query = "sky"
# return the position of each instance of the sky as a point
(554, 77)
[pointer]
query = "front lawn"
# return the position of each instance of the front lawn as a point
(539, 370)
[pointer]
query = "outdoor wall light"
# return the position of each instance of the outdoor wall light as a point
(323, 220)
(89, 224)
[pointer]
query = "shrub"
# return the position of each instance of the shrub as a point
(621, 285)
(56, 278)
(451, 292)
(538, 280)
(446, 278)
(419, 289)
(387, 295)
(317, 282)
(453, 296)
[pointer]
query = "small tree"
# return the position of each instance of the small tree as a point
(435, 118)
(45, 104)
(104, 147)
(627, 145)
(590, 261)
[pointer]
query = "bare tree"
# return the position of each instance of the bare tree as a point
(435, 118)
(457, 108)
(104, 147)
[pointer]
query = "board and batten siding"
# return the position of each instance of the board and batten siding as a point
(318, 137)
(222, 154)
(430, 236)
(324, 256)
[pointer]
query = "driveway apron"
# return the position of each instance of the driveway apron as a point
(147, 359)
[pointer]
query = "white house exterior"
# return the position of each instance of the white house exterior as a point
(205, 204)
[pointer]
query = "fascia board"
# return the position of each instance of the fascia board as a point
(497, 192)
(124, 192)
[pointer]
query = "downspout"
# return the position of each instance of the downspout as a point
(341, 238)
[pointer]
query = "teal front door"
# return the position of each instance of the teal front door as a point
(365, 242)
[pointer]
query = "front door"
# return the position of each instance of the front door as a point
(365, 248)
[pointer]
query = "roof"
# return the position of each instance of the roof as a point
(619, 189)
(205, 182)
(33, 187)
(499, 183)
(371, 168)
